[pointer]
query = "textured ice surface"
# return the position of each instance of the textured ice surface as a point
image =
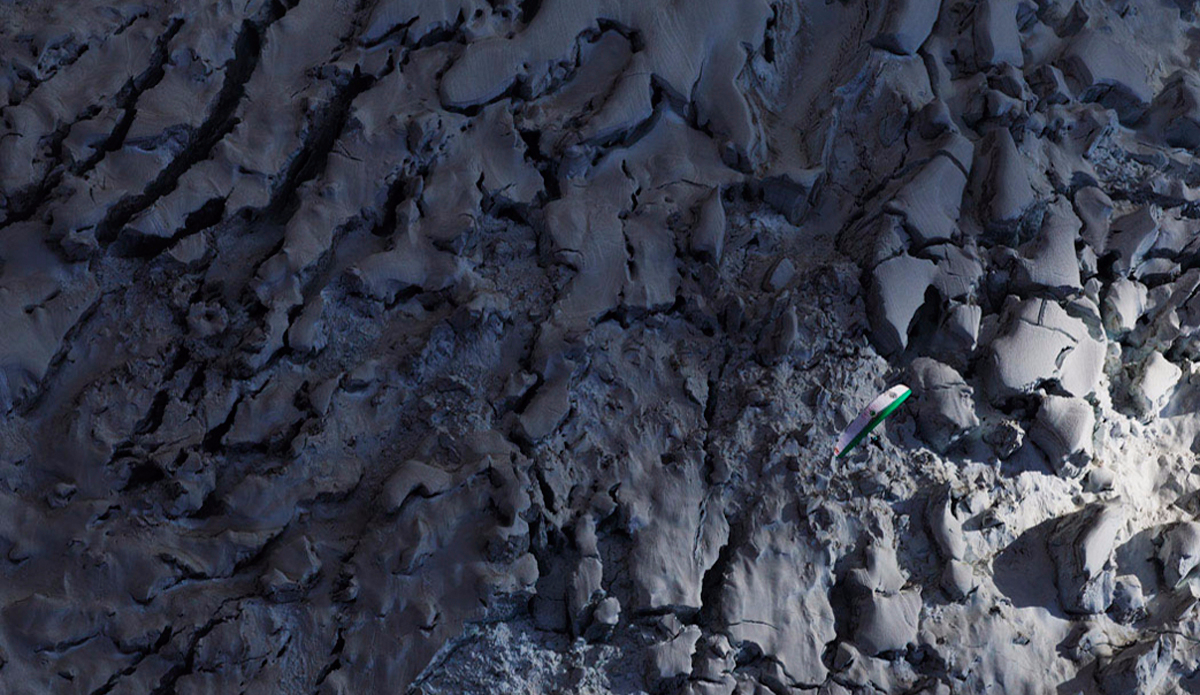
(450, 346)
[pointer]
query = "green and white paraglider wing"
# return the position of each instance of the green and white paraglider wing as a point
(884, 405)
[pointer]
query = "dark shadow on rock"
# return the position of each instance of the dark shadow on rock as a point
(1024, 571)
(1084, 682)
(1136, 556)
(1185, 401)
(1027, 458)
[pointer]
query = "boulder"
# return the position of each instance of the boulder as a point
(1124, 303)
(1049, 84)
(959, 271)
(1000, 183)
(997, 39)
(582, 589)
(792, 192)
(958, 579)
(780, 275)
(708, 236)
(959, 333)
(1175, 113)
(411, 479)
(884, 613)
(1129, 603)
(887, 623)
(547, 409)
(1151, 387)
(907, 25)
(1005, 438)
(945, 526)
(895, 293)
(1104, 71)
(945, 403)
(1139, 669)
(291, 570)
(1131, 238)
(1095, 210)
(1156, 271)
(1038, 342)
(930, 201)
(1063, 431)
(1081, 546)
(1179, 553)
(1049, 262)
(604, 620)
(671, 659)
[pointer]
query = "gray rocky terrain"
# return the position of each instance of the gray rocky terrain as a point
(498, 346)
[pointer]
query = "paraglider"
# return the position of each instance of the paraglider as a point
(884, 405)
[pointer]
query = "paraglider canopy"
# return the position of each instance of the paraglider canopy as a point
(884, 405)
